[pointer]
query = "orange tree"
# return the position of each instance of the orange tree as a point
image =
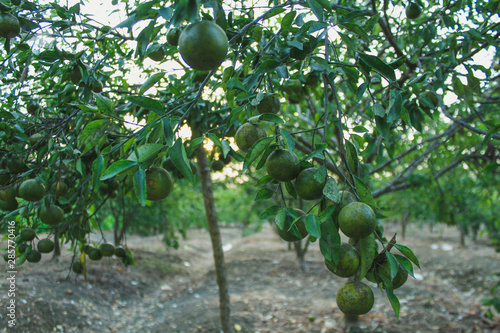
(369, 96)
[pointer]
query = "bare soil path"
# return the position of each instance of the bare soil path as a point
(175, 290)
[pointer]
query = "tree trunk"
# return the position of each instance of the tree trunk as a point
(213, 228)
(57, 247)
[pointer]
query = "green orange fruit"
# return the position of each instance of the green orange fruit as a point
(120, 251)
(158, 184)
(296, 232)
(77, 267)
(45, 246)
(355, 298)
(357, 220)
(413, 11)
(308, 186)
(9, 25)
(269, 104)
(107, 249)
(95, 254)
(173, 36)
(283, 165)
(203, 45)
(349, 260)
(51, 214)
(27, 234)
(32, 190)
(34, 256)
(247, 135)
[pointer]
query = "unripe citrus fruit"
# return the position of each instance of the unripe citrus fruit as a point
(283, 165)
(217, 165)
(9, 26)
(307, 186)
(355, 298)
(107, 249)
(27, 234)
(8, 194)
(168, 164)
(34, 256)
(95, 254)
(269, 105)
(297, 231)
(158, 184)
(32, 190)
(4, 178)
(173, 36)
(385, 270)
(357, 220)
(247, 135)
(9, 205)
(16, 165)
(45, 246)
(77, 267)
(120, 251)
(61, 188)
(413, 11)
(156, 53)
(87, 248)
(348, 264)
(51, 214)
(203, 45)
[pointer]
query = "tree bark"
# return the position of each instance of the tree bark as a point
(57, 247)
(213, 228)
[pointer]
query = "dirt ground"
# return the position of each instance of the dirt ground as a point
(175, 290)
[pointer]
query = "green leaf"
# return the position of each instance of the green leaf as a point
(167, 131)
(406, 263)
(352, 157)
(267, 66)
(291, 189)
(104, 104)
(313, 225)
(378, 65)
(270, 211)
(393, 300)
(408, 253)
(364, 192)
(378, 110)
(264, 194)
(92, 128)
(280, 218)
(290, 142)
(118, 167)
(331, 190)
(327, 213)
(318, 153)
(194, 145)
(330, 241)
(274, 12)
(287, 20)
(140, 186)
(148, 103)
(226, 148)
(235, 83)
(179, 158)
(368, 249)
(316, 8)
(274, 118)
(264, 180)
(97, 168)
(256, 150)
(146, 152)
(353, 27)
(214, 139)
(151, 81)
(393, 264)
